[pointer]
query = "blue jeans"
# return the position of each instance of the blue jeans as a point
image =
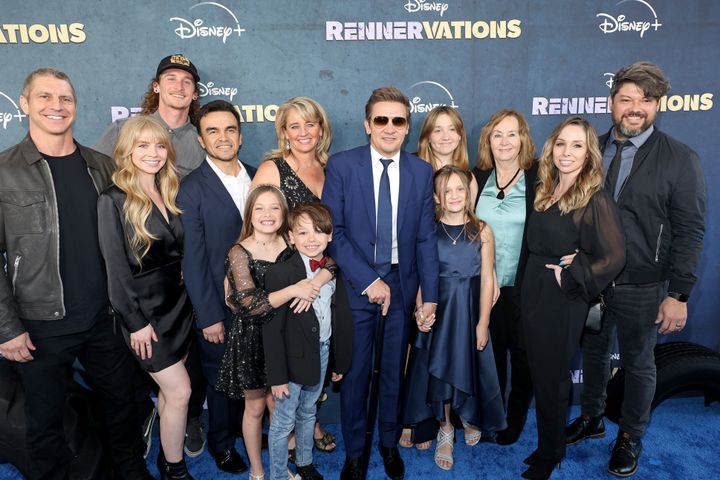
(296, 411)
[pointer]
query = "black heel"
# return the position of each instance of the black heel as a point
(541, 469)
(172, 471)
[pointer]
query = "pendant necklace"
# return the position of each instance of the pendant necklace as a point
(501, 193)
(454, 240)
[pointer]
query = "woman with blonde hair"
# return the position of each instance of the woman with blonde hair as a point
(297, 165)
(141, 239)
(572, 213)
(506, 171)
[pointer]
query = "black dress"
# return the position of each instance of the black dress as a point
(152, 293)
(553, 315)
(243, 363)
(295, 191)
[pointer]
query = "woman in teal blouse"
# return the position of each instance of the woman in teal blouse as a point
(506, 174)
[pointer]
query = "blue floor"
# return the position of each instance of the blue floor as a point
(683, 442)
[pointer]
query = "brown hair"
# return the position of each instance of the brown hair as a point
(526, 156)
(318, 213)
(310, 111)
(247, 227)
(387, 94)
(460, 155)
(588, 181)
(441, 178)
(151, 100)
(46, 72)
(646, 75)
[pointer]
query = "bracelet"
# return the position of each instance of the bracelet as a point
(680, 297)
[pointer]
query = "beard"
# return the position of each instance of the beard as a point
(632, 132)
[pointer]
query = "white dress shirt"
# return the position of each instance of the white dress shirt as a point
(237, 186)
(322, 305)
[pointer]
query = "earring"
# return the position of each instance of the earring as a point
(156, 91)
(287, 144)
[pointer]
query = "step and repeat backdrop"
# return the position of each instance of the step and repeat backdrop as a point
(547, 59)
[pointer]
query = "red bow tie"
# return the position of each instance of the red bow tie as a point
(315, 264)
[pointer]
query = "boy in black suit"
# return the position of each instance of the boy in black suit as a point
(297, 345)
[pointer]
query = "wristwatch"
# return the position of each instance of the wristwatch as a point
(680, 297)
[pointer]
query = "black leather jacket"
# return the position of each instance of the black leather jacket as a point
(662, 206)
(29, 239)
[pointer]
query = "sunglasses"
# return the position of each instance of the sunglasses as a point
(382, 121)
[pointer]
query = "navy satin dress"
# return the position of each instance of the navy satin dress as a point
(445, 364)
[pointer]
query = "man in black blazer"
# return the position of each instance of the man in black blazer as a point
(212, 198)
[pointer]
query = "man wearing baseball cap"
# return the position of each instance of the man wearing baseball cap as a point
(172, 98)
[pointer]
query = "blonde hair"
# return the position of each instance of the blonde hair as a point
(441, 178)
(460, 155)
(588, 181)
(526, 155)
(138, 206)
(247, 227)
(310, 111)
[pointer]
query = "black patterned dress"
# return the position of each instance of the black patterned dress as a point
(243, 364)
(295, 191)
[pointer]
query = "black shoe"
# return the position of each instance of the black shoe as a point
(532, 458)
(229, 461)
(352, 470)
(541, 469)
(512, 433)
(175, 471)
(625, 455)
(584, 427)
(394, 466)
(308, 472)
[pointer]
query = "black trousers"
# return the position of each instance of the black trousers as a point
(109, 370)
(224, 413)
(507, 337)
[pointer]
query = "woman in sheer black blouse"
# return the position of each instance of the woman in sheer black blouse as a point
(572, 213)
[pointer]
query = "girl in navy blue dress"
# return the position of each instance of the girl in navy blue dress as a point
(451, 361)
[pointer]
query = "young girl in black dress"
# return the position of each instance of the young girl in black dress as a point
(242, 371)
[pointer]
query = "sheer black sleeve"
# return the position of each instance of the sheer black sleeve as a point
(245, 298)
(601, 255)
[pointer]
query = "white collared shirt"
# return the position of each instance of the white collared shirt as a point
(322, 305)
(237, 186)
(394, 177)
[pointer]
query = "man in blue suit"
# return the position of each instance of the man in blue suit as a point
(381, 199)
(212, 198)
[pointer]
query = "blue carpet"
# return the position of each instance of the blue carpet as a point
(683, 442)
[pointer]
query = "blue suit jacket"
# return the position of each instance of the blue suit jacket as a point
(348, 191)
(212, 224)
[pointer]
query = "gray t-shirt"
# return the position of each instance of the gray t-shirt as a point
(187, 148)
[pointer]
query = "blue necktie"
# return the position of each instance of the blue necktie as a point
(383, 237)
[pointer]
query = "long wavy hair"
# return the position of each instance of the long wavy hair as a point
(526, 155)
(425, 151)
(247, 228)
(310, 111)
(473, 225)
(138, 206)
(588, 181)
(151, 101)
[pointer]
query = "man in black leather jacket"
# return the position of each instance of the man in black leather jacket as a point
(53, 300)
(660, 190)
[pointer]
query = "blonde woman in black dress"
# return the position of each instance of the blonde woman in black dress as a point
(141, 239)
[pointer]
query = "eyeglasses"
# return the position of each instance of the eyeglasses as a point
(381, 121)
